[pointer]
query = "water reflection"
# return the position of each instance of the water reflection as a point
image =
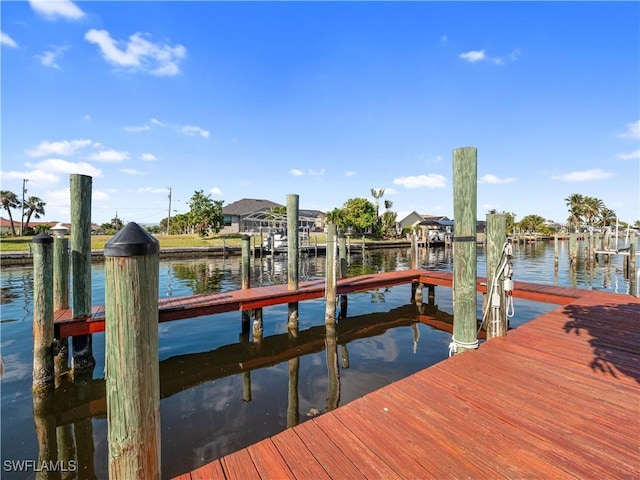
(226, 383)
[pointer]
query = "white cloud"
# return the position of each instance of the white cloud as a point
(632, 131)
(193, 130)
(36, 177)
(138, 128)
(635, 155)
(431, 180)
(473, 56)
(148, 157)
(49, 58)
(132, 171)
(138, 53)
(215, 191)
(390, 191)
(490, 178)
(63, 147)
(316, 173)
(58, 165)
(109, 156)
(52, 9)
(594, 174)
(155, 121)
(296, 172)
(349, 174)
(7, 40)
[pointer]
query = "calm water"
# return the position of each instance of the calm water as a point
(210, 406)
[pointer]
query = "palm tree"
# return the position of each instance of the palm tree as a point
(591, 208)
(606, 217)
(9, 200)
(377, 194)
(35, 207)
(575, 202)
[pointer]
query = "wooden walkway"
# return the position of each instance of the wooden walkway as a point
(558, 397)
(176, 308)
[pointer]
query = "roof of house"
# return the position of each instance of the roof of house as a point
(246, 206)
(312, 213)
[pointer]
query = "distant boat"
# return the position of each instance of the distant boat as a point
(275, 241)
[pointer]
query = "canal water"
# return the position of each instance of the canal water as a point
(222, 391)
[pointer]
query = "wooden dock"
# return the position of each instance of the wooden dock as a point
(556, 398)
(176, 308)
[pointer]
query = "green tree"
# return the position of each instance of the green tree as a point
(114, 226)
(606, 217)
(34, 207)
(205, 214)
(510, 218)
(531, 222)
(591, 208)
(360, 214)
(9, 200)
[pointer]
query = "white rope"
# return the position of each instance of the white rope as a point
(453, 346)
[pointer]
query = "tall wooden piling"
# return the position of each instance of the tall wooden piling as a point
(414, 251)
(573, 247)
(496, 320)
(81, 187)
(60, 298)
(131, 367)
(330, 279)
(246, 262)
(465, 167)
(43, 370)
(293, 254)
(342, 273)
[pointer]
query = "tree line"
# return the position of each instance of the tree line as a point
(357, 215)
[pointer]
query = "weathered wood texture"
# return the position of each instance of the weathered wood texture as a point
(80, 188)
(43, 328)
(465, 167)
(496, 318)
(131, 364)
(60, 273)
(556, 396)
(330, 276)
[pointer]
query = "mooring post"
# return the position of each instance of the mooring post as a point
(60, 296)
(293, 254)
(81, 186)
(414, 251)
(573, 247)
(330, 279)
(342, 261)
(257, 325)
(246, 262)
(496, 319)
(465, 167)
(131, 365)
(43, 369)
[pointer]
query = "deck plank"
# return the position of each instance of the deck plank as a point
(554, 398)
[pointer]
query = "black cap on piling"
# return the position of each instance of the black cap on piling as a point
(131, 241)
(245, 237)
(42, 238)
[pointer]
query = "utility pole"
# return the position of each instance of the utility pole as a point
(169, 217)
(24, 190)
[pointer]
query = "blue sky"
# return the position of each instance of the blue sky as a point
(326, 100)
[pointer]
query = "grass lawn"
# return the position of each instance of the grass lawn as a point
(21, 244)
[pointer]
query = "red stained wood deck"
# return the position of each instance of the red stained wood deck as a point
(556, 398)
(176, 308)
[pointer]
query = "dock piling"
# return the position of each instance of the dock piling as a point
(131, 343)
(81, 187)
(293, 255)
(465, 167)
(330, 272)
(43, 369)
(496, 317)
